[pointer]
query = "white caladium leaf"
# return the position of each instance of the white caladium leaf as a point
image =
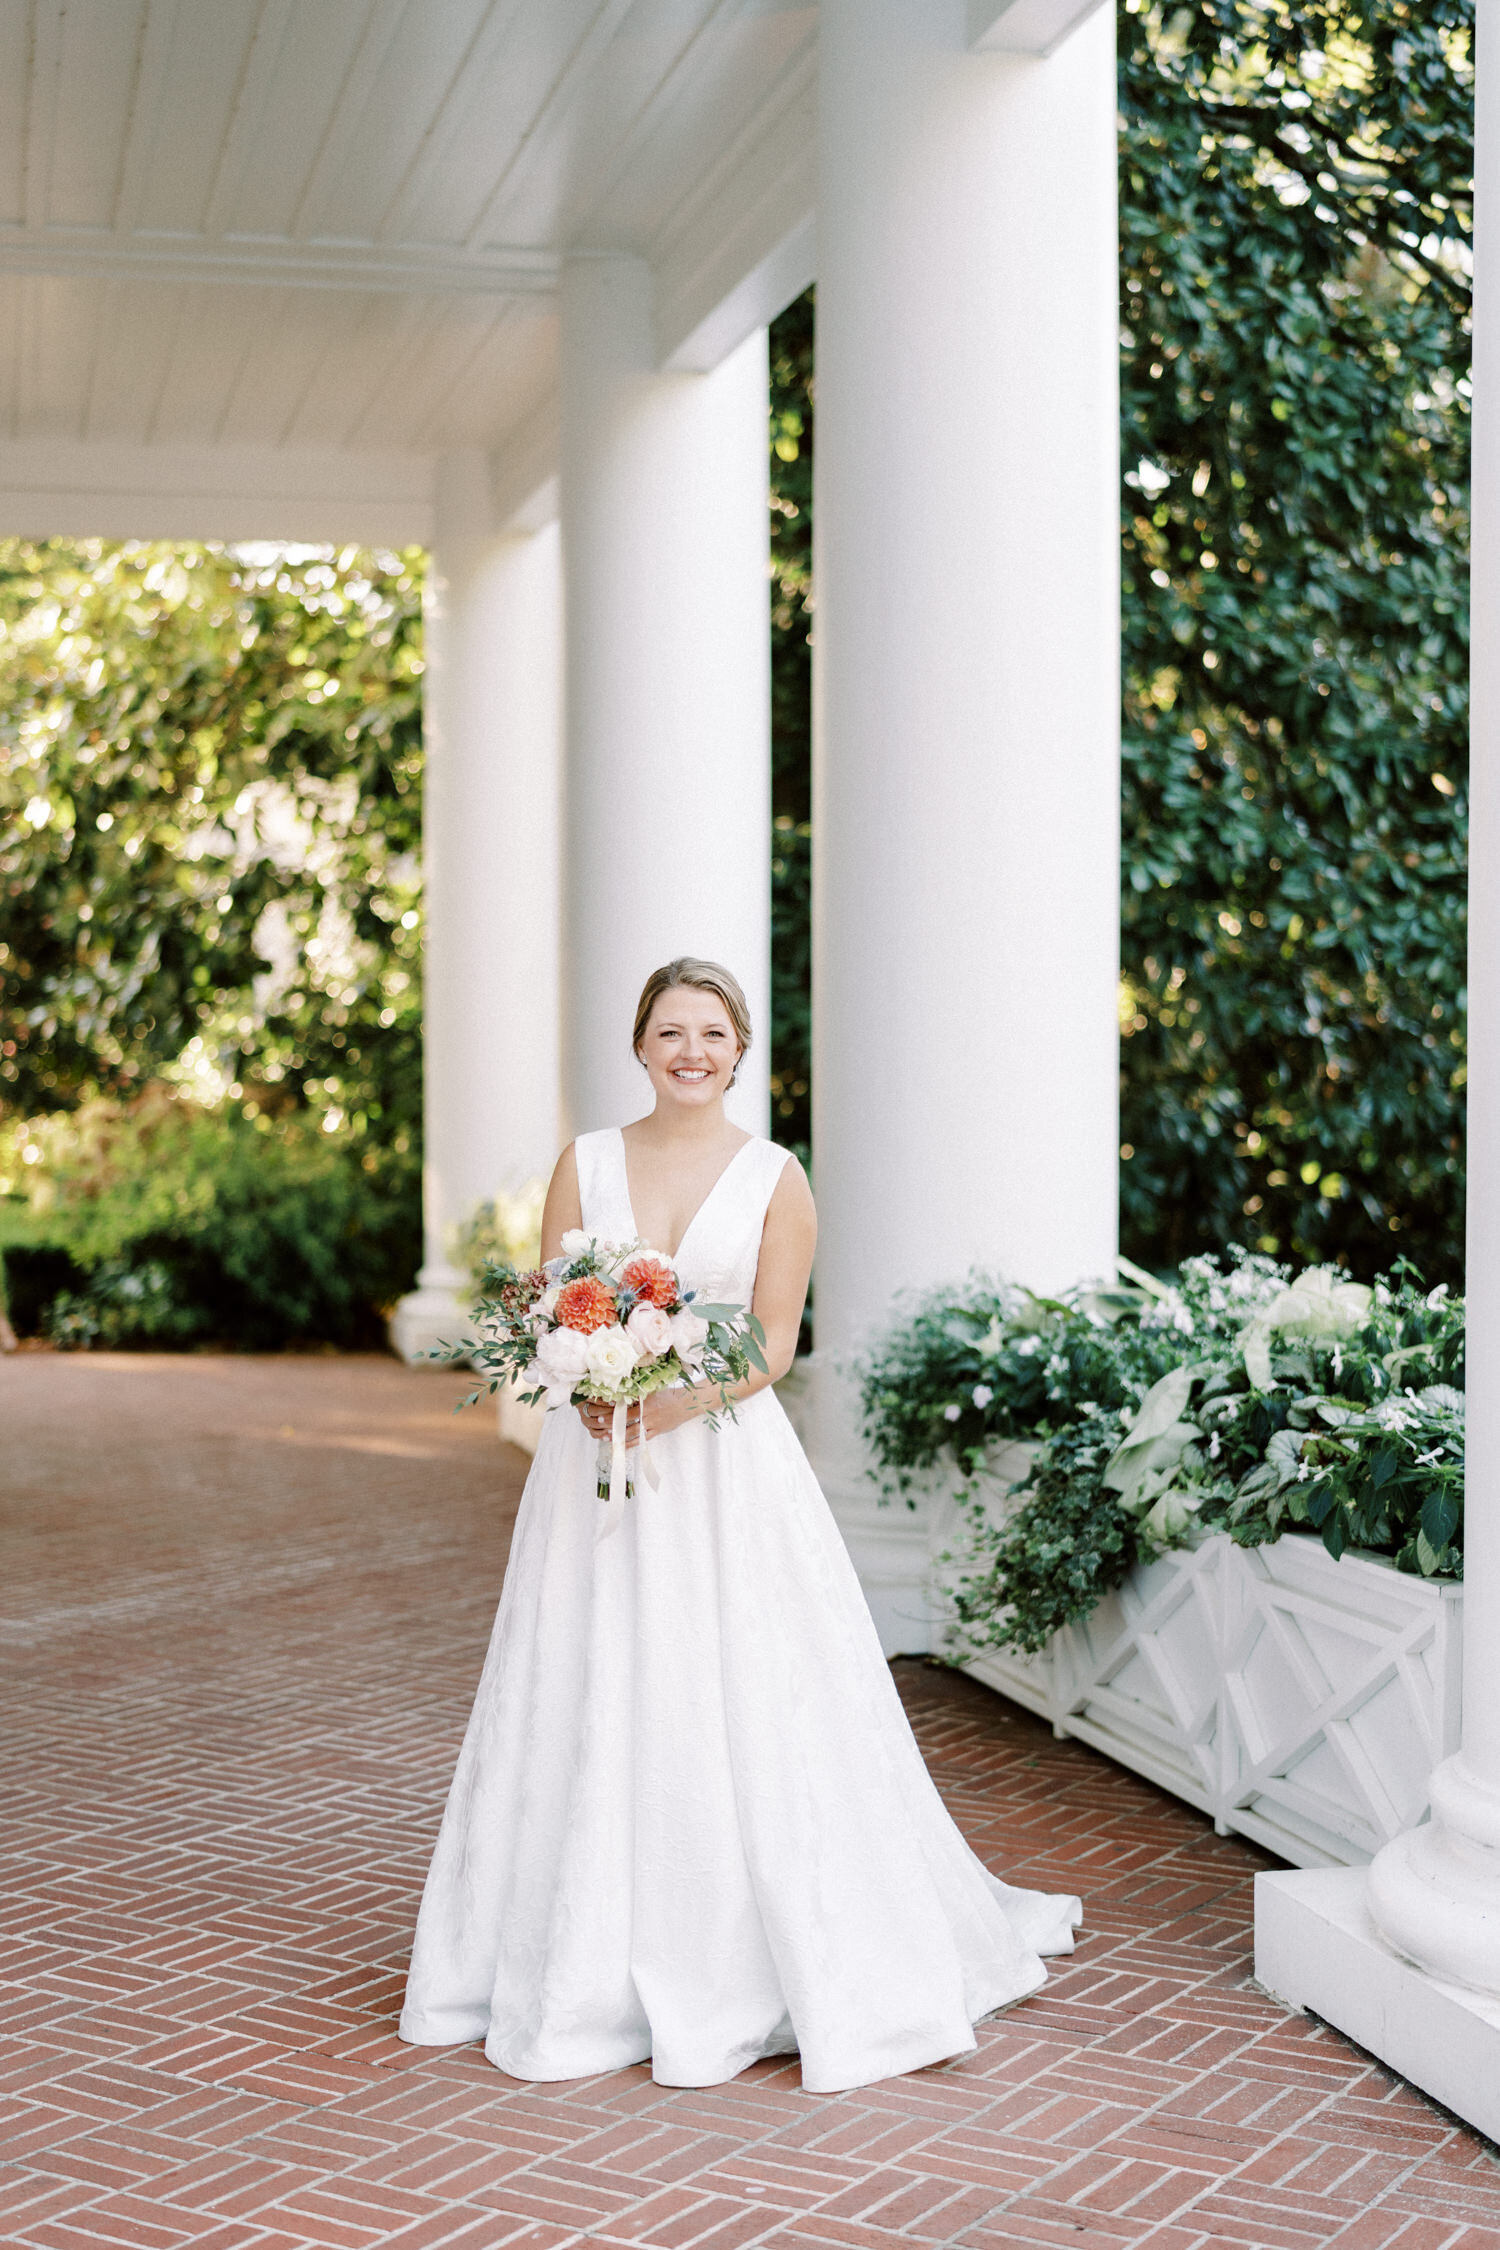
(1149, 1469)
(1284, 1453)
(1256, 1350)
(1161, 1406)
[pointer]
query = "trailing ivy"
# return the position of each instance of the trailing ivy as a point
(1237, 1400)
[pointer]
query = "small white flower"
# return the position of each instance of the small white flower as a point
(1438, 1296)
(1215, 1446)
(982, 1394)
(952, 1413)
(1027, 1346)
(575, 1242)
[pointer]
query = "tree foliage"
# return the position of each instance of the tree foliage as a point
(791, 723)
(210, 771)
(1295, 221)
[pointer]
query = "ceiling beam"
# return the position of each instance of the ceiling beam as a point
(1025, 27)
(767, 289)
(103, 489)
(739, 247)
(402, 268)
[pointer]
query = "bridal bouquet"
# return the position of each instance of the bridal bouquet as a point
(608, 1322)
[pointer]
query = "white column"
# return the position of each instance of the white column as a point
(966, 816)
(667, 793)
(1406, 1958)
(490, 856)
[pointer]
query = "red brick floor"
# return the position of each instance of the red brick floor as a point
(244, 1607)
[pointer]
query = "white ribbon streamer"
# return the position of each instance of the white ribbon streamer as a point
(612, 1510)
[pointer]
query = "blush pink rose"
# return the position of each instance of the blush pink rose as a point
(650, 1331)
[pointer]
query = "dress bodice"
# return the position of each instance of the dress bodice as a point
(720, 1250)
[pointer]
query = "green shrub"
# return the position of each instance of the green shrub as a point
(1238, 1400)
(167, 1224)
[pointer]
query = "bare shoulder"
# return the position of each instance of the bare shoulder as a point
(563, 1208)
(565, 1170)
(791, 1201)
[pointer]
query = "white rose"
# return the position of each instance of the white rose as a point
(564, 1354)
(689, 1335)
(650, 1331)
(575, 1242)
(546, 1304)
(611, 1356)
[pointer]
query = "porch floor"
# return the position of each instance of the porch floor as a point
(244, 1605)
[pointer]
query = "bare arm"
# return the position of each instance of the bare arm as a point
(781, 1278)
(562, 1208)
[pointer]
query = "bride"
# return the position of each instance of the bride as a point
(689, 1820)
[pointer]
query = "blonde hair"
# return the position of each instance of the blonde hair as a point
(697, 976)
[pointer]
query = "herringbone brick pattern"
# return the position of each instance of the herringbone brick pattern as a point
(245, 1603)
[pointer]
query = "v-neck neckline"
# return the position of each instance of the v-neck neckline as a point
(672, 1256)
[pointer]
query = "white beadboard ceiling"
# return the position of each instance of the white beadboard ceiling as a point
(290, 250)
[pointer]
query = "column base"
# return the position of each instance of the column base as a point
(435, 1312)
(1434, 1892)
(1317, 1949)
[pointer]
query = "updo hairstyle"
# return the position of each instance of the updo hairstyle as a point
(698, 976)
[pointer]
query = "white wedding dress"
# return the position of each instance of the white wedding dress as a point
(689, 1820)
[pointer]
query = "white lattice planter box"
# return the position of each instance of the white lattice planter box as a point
(1300, 1701)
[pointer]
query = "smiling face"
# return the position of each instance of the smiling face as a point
(689, 1048)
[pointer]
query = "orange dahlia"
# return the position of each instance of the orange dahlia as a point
(585, 1305)
(653, 1281)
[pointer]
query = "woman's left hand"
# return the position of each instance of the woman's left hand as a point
(665, 1410)
(668, 1410)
